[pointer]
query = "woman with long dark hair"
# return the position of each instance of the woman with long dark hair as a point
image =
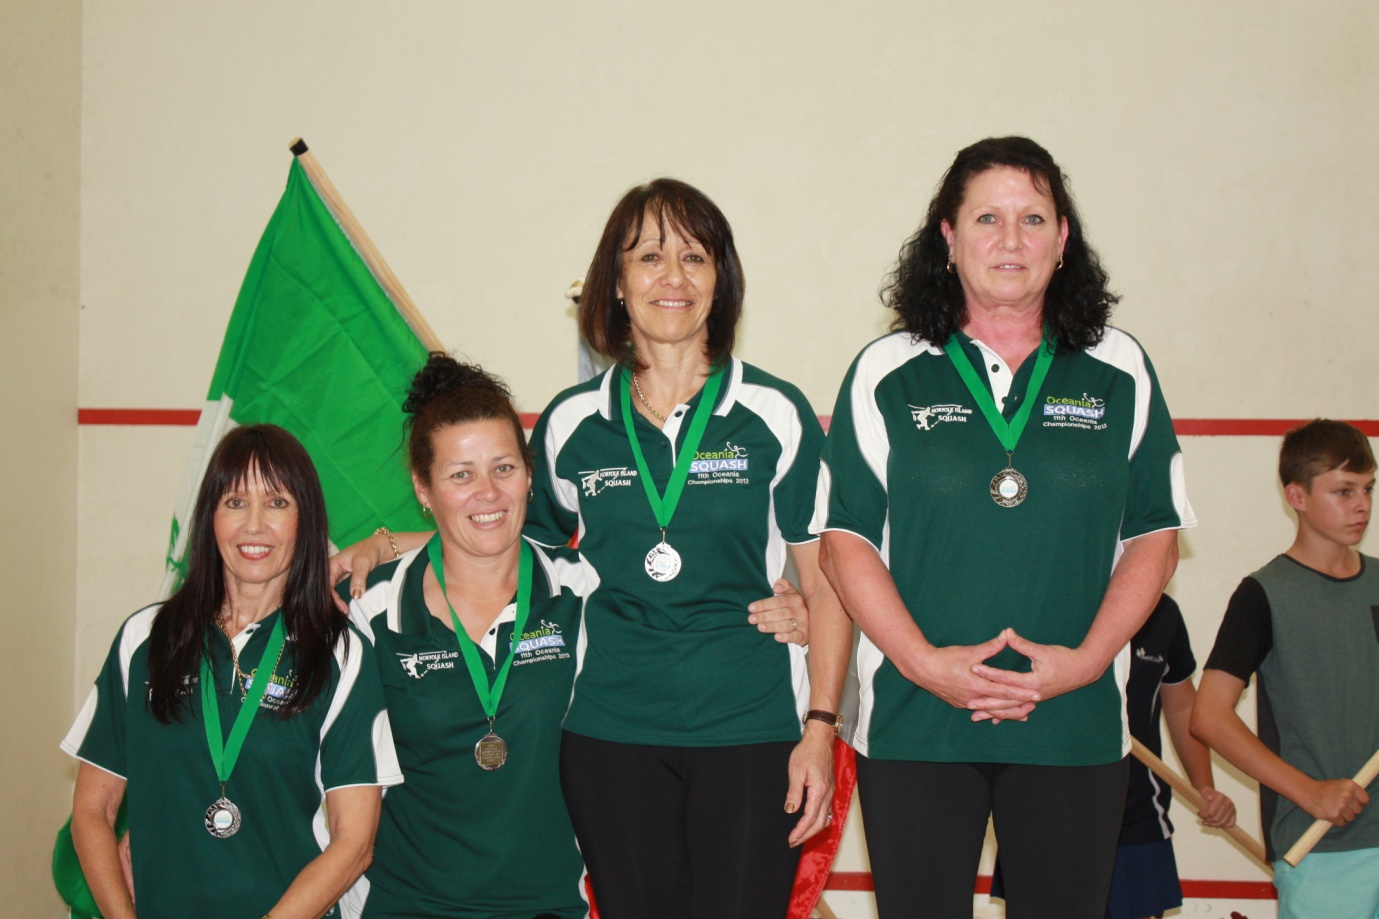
(232, 712)
(1000, 501)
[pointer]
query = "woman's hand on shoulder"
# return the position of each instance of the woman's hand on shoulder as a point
(956, 674)
(784, 613)
(357, 561)
(1054, 669)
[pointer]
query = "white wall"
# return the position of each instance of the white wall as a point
(1222, 155)
(40, 93)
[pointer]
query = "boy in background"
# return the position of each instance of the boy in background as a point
(1308, 624)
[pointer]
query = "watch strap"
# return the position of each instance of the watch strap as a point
(830, 718)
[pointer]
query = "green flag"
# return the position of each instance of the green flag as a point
(315, 345)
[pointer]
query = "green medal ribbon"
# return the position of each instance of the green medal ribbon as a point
(664, 507)
(488, 696)
(1008, 433)
(225, 752)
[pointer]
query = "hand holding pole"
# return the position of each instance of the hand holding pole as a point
(1368, 773)
(1181, 785)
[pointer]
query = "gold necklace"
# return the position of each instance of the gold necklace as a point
(642, 396)
(242, 678)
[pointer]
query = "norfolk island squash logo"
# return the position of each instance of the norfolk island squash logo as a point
(592, 482)
(423, 662)
(927, 417)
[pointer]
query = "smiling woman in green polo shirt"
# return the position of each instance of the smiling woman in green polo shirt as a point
(1000, 501)
(233, 712)
(688, 476)
(475, 633)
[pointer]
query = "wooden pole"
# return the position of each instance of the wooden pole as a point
(365, 247)
(1368, 773)
(1184, 788)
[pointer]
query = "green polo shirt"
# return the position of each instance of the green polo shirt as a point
(908, 467)
(279, 783)
(676, 662)
(456, 841)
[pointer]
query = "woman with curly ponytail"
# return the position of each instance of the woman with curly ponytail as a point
(476, 635)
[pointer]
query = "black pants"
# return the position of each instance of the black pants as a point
(1056, 826)
(682, 832)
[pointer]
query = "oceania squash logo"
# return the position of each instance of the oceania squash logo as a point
(1086, 407)
(731, 457)
(1085, 412)
(547, 635)
(546, 642)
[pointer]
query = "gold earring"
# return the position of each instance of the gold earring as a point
(426, 510)
(531, 495)
(1060, 263)
(950, 266)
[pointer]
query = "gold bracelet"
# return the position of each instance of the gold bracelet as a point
(396, 554)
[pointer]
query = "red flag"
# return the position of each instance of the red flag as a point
(816, 861)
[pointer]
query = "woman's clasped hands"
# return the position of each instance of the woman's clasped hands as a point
(960, 676)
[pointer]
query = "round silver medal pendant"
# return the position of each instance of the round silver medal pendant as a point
(662, 563)
(491, 752)
(222, 818)
(1009, 488)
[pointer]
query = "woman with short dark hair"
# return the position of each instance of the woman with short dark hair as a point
(262, 707)
(687, 476)
(999, 504)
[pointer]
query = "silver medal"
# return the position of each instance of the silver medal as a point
(662, 562)
(1009, 488)
(222, 818)
(491, 752)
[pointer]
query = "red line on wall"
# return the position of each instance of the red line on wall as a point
(1201, 890)
(159, 417)
(1229, 890)
(1185, 427)
(178, 417)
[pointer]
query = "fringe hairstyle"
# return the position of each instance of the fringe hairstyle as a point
(1320, 446)
(185, 623)
(603, 319)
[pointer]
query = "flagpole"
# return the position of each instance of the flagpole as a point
(1185, 788)
(365, 247)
